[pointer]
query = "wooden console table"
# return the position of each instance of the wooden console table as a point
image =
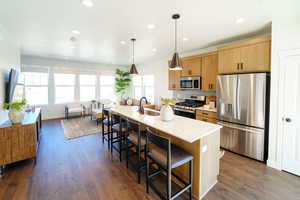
(20, 141)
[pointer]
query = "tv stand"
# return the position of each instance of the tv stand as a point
(20, 141)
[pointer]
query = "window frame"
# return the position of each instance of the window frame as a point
(36, 86)
(144, 86)
(64, 85)
(87, 85)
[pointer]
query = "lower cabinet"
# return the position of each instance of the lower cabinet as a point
(207, 116)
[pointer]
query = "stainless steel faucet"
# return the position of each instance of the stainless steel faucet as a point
(141, 106)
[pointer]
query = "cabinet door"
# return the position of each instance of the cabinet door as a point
(256, 58)
(174, 79)
(228, 61)
(209, 72)
(191, 67)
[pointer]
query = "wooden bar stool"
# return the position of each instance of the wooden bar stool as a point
(167, 156)
(106, 121)
(135, 139)
(118, 134)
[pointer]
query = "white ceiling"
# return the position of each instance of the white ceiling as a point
(44, 27)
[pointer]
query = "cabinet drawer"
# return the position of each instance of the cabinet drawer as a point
(207, 114)
(205, 119)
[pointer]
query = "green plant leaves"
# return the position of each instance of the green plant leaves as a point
(123, 81)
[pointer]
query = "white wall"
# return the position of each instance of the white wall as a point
(52, 111)
(9, 57)
(285, 36)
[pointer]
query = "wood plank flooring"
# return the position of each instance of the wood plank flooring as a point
(82, 169)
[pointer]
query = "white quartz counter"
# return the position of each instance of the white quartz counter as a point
(207, 109)
(183, 128)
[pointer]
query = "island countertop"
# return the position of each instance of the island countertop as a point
(189, 130)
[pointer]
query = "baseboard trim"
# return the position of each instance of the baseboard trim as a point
(205, 193)
(274, 164)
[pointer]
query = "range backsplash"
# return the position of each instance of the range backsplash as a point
(188, 93)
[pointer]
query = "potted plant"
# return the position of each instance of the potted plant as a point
(16, 111)
(123, 81)
(166, 111)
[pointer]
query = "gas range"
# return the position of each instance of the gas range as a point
(188, 107)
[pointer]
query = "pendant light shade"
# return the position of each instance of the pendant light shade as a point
(133, 70)
(175, 62)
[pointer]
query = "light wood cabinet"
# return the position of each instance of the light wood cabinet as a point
(250, 56)
(20, 141)
(207, 116)
(209, 72)
(174, 79)
(191, 67)
(256, 58)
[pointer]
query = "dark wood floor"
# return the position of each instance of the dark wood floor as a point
(82, 169)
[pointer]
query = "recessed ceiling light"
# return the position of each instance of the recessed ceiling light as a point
(87, 3)
(72, 47)
(123, 42)
(151, 26)
(154, 49)
(240, 20)
(185, 39)
(76, 32)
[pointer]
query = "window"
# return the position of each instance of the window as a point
(64, 88)
(137, 86)
(107, 87)
(148, 82)
(36, 87)
(143, 86)
(87, 87)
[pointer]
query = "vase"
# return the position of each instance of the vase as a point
(16, 116)
(166, 113)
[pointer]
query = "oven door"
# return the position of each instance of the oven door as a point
(189, 114)
(186, 83)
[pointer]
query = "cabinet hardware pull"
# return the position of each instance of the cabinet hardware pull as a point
(242, 66)
(238, 66)
(212, 86)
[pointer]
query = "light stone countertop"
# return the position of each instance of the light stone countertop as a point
(207, 109)
(189, 130)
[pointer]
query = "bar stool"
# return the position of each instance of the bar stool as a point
(118, 134)
(167, 156)
(135, 139)
(106, 121)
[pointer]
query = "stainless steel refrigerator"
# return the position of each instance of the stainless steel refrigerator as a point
(242, 104)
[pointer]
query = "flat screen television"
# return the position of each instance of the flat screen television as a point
(14, 90)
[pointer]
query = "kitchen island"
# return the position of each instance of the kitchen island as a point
(199, 138)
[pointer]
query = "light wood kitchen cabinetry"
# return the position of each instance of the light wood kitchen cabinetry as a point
(174, 79)
(191, 67)
(207, 116)
(250, 56)
(209, 72)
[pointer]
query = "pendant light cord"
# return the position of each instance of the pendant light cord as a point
(175, 35)
(133, 52)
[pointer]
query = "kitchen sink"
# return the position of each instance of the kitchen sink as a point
(151, 112)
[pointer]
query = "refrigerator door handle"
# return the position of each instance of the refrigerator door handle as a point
(241, 127)
(237, 115)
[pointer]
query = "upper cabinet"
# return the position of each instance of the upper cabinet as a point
(191, 66)
(174, 79)
(250, 56)
(209, 72)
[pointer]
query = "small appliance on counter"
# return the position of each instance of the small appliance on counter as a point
(187, 108)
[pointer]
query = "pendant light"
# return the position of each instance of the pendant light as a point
(133, 70)
(175, 62)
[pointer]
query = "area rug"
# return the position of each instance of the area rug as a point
(78, 127)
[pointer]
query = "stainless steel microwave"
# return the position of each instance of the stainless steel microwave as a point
(190, 83)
